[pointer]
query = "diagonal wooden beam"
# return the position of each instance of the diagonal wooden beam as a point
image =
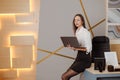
(58, 54)
(97, 24)
(46, 57)
(86, 17)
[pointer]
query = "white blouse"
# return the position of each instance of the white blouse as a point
(84, 38)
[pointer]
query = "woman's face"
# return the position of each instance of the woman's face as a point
(77, 21)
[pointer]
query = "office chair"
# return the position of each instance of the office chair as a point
(100, 44)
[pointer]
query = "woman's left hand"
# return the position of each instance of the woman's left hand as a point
(70, 47)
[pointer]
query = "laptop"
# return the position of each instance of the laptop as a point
(70, 40)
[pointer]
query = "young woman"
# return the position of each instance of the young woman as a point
(83, 59)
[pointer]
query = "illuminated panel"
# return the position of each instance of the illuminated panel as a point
(4, 52)
(0, 25)
(9, 19)
(7, 23)
(8, 74)
(4, 57)
(4, 62)
(22, 62)
(22, 52)
(25, 74)
(25, 18)
(14, 6)
(32, 6)
(8, 79)
(28, 78)
(21, 40)
(22, 56)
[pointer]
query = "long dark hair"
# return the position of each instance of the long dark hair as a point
(82, 18)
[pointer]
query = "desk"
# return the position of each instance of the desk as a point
(91, 74)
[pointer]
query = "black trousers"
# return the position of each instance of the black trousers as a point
(81, 62)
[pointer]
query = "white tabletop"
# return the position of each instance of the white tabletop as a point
(91, 70)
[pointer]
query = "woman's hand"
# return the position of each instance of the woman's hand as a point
(73, 48)
(68, 46)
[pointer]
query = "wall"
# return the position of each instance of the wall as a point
(56, 20)
(19, 24)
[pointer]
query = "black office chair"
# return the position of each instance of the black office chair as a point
(100, 44)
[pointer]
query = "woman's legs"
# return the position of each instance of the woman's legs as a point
(68, 74)
(78, 66)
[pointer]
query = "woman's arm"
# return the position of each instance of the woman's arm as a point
(80, 49)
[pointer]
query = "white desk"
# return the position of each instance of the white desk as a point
(91, 74)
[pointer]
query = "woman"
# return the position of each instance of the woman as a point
(83, 59)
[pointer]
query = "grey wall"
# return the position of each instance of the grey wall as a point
(56, 20)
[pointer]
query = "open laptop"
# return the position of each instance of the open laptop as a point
(70, 40)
